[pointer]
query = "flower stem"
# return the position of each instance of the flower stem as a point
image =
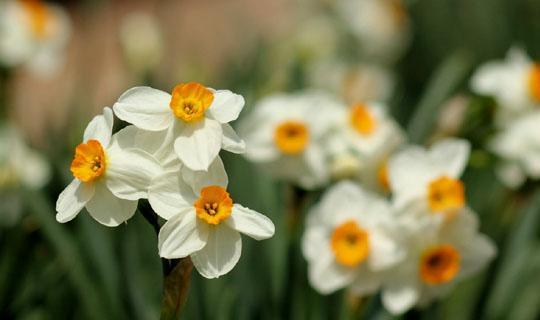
(176, 279)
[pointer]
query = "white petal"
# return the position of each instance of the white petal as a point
(169, 194)
(231, 141)
(400, 296)
(129, 172)
(100, 128)
(327, 276)
(215, 176)
(72, 200)
(146, 108)
(226, 106)
(478, 253)
(451, 155)
(366, 282)
(199, 144)
(311, 240)
(182, 235)
(385, 252)
(250, 223)
(221, 253)
(109, 210)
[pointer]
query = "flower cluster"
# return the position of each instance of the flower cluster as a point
(515, 85)
(415, 247)
(169, 155)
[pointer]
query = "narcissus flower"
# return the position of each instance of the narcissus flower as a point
(203, 221)
(514, 83)
(286, 135)
(518, 144)
(197, 117)
(439, 255)
(349, 240)
(431, 178)
(109, 176)
(33, 33)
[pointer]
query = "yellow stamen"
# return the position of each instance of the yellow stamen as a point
(446, 195)
(439, 264)
(190, 101)
(89, 162)
(382, 176)
(350, 244)
(214, 205)
(291, 137)
(362, 120)
(39, 16)
(534, 82)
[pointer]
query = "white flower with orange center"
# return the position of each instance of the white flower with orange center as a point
(430, 178)
(203, 221)
(197, 118)
(518, 145)
(514, 83)
(349, 240)
(110, 175)
(33, 33)
(286, 135)
(439, 255)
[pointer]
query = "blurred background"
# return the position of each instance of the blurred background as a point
(416, 55)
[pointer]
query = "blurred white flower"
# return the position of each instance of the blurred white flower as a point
(203, 222)
(18, 163)
(438, 256)
(33, 33)
(518, 144)
(514, 83)
(371, 135)
(430, 178)
(286, 134)
(381, 26)
(142, 41)
(196, 116)
(349, 240)
(109, 178)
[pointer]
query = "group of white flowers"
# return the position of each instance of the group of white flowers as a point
(515, 85)
(399, 222)
(169, 155)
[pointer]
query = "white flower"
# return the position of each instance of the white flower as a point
(19, 163)
(438, 256)
(203, 222)
(518, 144)
(514, 83)
(430, 177)
(349, 240)
(197, 118)
(368, 133)
(382, 26)
(33, 33)
(109, 178)
(286, 134)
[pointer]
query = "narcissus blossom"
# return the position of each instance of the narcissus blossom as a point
(514, 83)
(349, 240)
(286, 135)
(33, 33)
(197, 118)
(109, 176)
(203, 221)
(430, 178)
(518, 144)
(439, 255)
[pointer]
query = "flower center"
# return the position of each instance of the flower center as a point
(190, 101)
(382, 176)
(214, 205)
(361, 120)
(446, 195)
(350, 244)
(39, 16)
(291, 137)
(440, 264)
(89, 162)
(534, 82)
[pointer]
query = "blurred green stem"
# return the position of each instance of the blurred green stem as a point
(4, 91)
